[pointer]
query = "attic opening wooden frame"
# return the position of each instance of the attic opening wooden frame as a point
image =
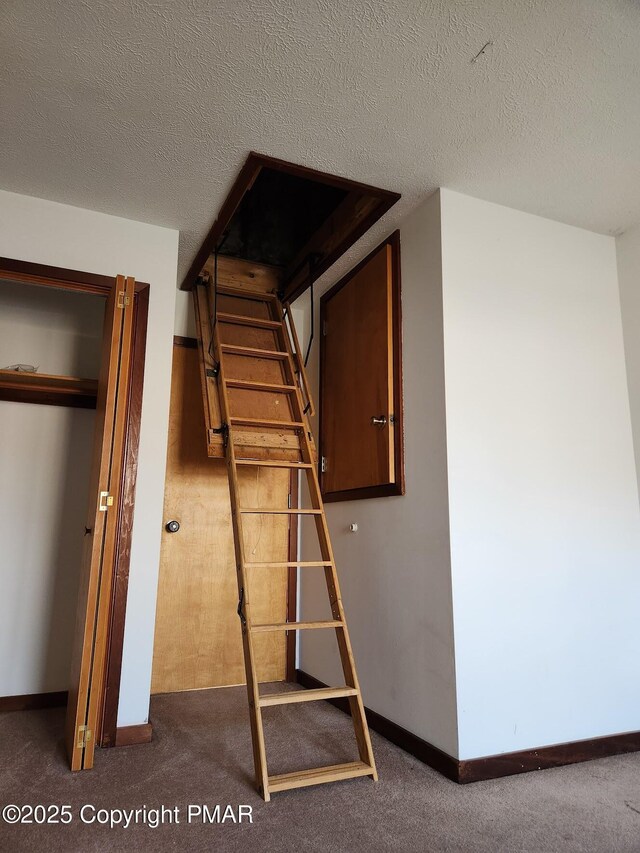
(99, 285)
(361, 206)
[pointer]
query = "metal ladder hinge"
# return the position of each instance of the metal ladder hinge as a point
(323, 464)
(222, 430)
(123, 299)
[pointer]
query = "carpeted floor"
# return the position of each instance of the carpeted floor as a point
(201, 754)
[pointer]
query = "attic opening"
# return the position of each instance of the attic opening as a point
(290, 217)
(277, 216)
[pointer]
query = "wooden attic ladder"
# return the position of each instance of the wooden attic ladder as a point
(281, 444)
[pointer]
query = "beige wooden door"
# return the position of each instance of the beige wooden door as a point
(357, 393)
(96, 577)
(198, 640)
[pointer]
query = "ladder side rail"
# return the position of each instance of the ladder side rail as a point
(347, 659)
(356, 704)
(345, 649)
(244, 608)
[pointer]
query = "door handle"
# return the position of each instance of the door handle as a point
(379, 421)
(172, 526)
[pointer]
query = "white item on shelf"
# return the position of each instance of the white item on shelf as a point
(22, 368)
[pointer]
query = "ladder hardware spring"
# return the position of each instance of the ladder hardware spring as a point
(240, 610)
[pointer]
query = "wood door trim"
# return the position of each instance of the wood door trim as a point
(133, 735)
(64, 279)
(77, 281)
(384, 491)
(189, 343)
(399, 486)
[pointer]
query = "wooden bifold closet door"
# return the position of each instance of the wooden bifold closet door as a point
(96, 578)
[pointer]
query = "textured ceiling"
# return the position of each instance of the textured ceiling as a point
(147, 108)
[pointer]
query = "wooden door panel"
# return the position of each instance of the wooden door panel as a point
(198, 641)
(260, 404)
(244, 306)
(357, 380)
(246, 336)
(246, 367)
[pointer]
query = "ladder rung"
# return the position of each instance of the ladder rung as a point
(273, 463)
(260, 386)
(296, 626)
(232, 349)
(243, 320)
(295, 696)
(261, 422)
(303, 565)
(318, 775)
(259, 511)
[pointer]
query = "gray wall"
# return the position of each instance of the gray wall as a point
(395, 571)
(493, 608)
(628, 254)
(545, 522)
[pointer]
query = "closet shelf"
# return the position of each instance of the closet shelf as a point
(20, 387)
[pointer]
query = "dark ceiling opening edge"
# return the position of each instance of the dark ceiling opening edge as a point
(361, 207)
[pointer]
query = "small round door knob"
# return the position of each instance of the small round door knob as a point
(172, 526)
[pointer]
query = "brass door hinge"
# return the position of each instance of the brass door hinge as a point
(106, 500)
(123, 299)
(84, 736)
(323, 464)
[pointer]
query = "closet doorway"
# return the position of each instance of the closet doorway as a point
(77, 422)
